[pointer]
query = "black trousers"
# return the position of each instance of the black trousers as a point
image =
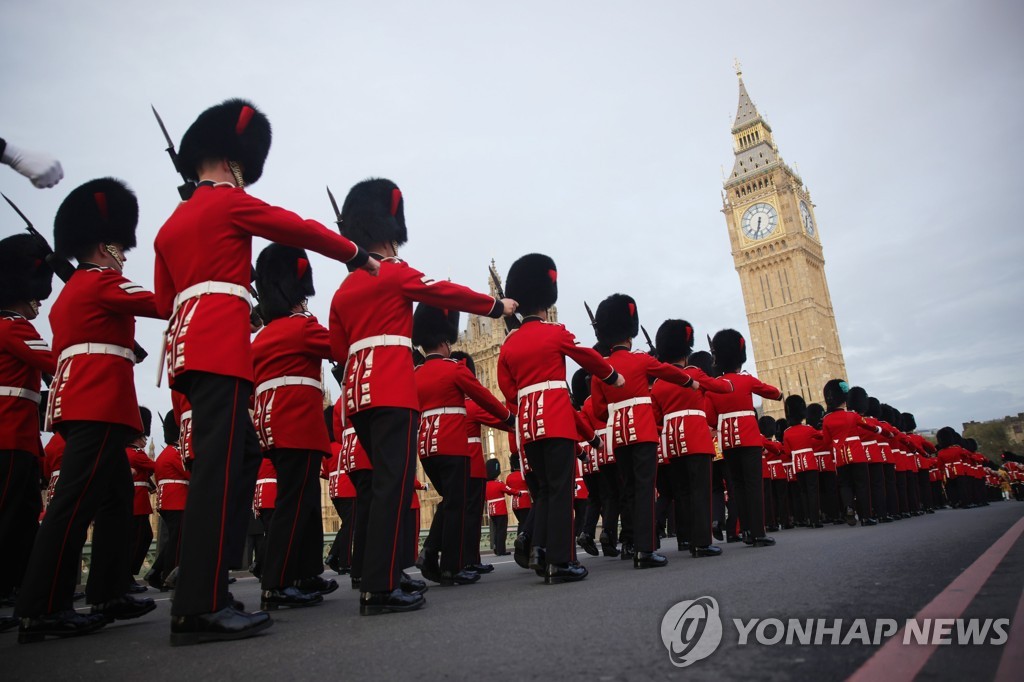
(266, 517)
(594, 503)
(638, 464)
(771, 519)
(474, 519)
(718, 493)
(901, 491)
(342, 545)
(611, 501)
(690, 476)
(533, 486)
(855, 488)
(20, 505)
(828, 486)
(664, 504)
(892, 496)
(362, 479)
(521, 516)
(240, 510)
(499, 532)
(388, 434)
(167, 558)
(142, 538)
(450, 476)
(743, 471)
(95, 485)
(411, 532)
(879, 503)
(554, 465)
(924, 486)
(913, 494)
(780, 493)
(213, 529)
(296, 538)
(809, 484)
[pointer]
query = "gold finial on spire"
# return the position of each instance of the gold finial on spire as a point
(739, 69)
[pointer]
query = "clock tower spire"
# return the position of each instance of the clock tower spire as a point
(777, 252)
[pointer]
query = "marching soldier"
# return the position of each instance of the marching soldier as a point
(172, 481)
(343, 496)
(586, 522)
(828, 480)
(861, 404)
(92, 403)
(25, 281)
(801, 441)
(497, 512)
(264, 503)
(521, 502)
(371, 326)
(143, 469)
(892, 499)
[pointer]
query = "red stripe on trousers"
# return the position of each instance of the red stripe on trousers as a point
(295, 522)
(224, 502)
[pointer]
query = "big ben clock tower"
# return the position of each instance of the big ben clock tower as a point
(776, 246)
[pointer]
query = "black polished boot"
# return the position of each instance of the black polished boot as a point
(226, 624)
(411, 585)
(171, 581)
(376, 603)
(480, 568)
(124, 608)
(683, 546)
(428, 565)
(607, 546)
(762, 541)
(136, 587)
(710, 550)
(154, 580)
(566, 573)
(60, 624)
(716, 531)
(851, 519)
(317, 585)
(450, 578)
(587, 544)
(628, 551)
(649, 560)
(334, 563)
(356, 583)
(288, 597)
(521, 552)
(538, 560)
(733, 538)
(868, 522)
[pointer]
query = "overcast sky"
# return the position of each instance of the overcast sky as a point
(595, 132)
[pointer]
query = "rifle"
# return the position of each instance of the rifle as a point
(590, 314)
(337, 371)
(185, 189)
(653, 353)
(60, 266)
(512, 321)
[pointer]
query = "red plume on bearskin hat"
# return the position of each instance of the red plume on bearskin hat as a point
(234, 130)
(730, 350)
(284, 278)
(616, 319)
(24, 274)
(103, 211)
(796, 409)
(674, 340)
(374, 213)
(432, 326)
(533, 282)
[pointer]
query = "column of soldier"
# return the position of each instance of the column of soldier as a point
(641, 432)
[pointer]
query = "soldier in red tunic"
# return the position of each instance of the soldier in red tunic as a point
(172, 479)
(371, 326)
(25, 281)
(92, 403)
(531, 374)
(142, 508)
(892, 499)
(860, 402)
(343, 496)
(732, 415)
(800, 442)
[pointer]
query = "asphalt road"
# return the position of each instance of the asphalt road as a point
(608, 627)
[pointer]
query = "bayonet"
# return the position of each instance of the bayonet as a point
(185, 189)
(590, 314)
(650, 345)
(337, 211)
(511, 321)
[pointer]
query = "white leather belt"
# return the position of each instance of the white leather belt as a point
(473, 440)
(141, 484)
(266, 480)
(734, 415)
(802, 451)
(851, 438)
(350, 431)
(271, 384)
(869, 442)
(443, 410)
(775, 461)
(685, 413)
(97, 349)
(212, 287)
(187, 414)
(623, 404)
(542, 386)
(56, 472)
(379, 340)
(15, 392)
(173, 480)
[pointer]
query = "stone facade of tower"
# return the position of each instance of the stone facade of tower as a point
(776, 247)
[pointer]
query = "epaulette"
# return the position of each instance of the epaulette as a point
(511, 332)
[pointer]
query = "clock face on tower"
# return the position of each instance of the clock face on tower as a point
(759, 221)
(808, 220)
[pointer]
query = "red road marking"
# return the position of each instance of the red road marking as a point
(897, 662)
(1012, 661)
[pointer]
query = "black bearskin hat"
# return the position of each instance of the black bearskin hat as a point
(796, 409)
(674, 340)
(780, 428)
(945, 437)
(234, 130)
(971, 444)
(374, 213)
(889, 416)
(533, 283)
(616, 319)
(767, 426)
(874, 408)
(703, 361)
(729, 349)
(513, 461)
(493, 469)
(24, 274)
(908, 421)
(857, 400)
(284, 278)
(172, 431)
(463, 356)
(815, 413)
(835, 393)
(432, 326)
(147, 420)
(580, 387)
(100, 211)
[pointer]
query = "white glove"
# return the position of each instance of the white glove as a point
(42, 169)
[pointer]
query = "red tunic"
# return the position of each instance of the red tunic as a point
(948, 457)
(732, 414)
(684, 425)
(371, 330)
(771, 460)
(265, 496)
(495, 493)
(844, 429)
(209, 239)
(580, 491)
(476, 417)
(531, 374)
(142, 468)
(591, 455)
(516, 482)
(339, 485)
(443, 387)
(801, 442)
(171, 480)
(289, 354)
(353, 456)
(183, 415)
(97, 306)
(24, 357)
